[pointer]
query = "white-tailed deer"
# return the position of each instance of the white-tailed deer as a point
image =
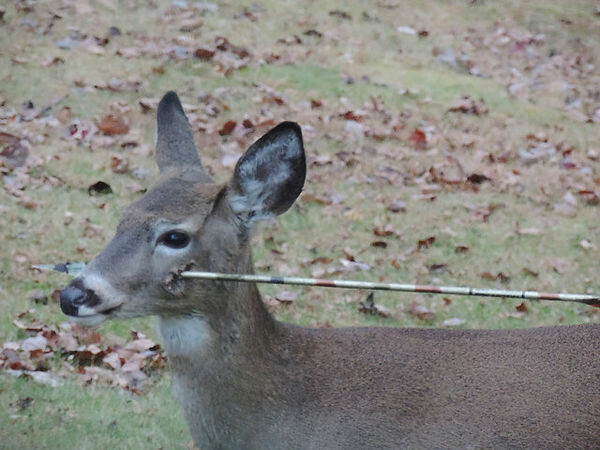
(247, 381)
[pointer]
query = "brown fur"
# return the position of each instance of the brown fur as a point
(247, 381)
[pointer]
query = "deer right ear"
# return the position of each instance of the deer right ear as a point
(270, 175)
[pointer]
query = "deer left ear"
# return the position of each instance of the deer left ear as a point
(175, 148)
(270, 175)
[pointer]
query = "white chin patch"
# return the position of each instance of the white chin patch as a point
(84, 311)
(89, 321)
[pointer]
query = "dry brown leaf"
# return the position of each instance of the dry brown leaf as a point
(370, 307)
(286, 297)
(467, 105)
(522, 307)
(425, 243)
(418, 139)
(420, 311)
(227, 128)
(385, 231)
(112, 125)
(140, 345)
(397, 206)
(119, 164)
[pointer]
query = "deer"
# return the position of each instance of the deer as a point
(248, 381)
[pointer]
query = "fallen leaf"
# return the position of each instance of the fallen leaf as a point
(522, 307)
(352, 116)
(227, 128)
(569, 199)
(468, 106)
(67, 342)
(397, 206)
(86, 335)
(14, 155)
(418, 139)
(340, 14)
(420, 311)
(385, 231)
(23, 403)
(119, 164)
(112, 360)
(271, 302)
(321, 160)
(453, 322)
(592, 198)
(370, 307)
(53, 61)
(148, 104)
(204, 53)
(437, 268)
(406, 30)
(286, 297)
(112, 125)
(529, 272)
(425, 243)
(129, 52)
(487, 276)
(190, 25)
(351, 266)
(99, 187)
(134, 363)
(476, 178)
(38, 342)
(529, 231)
(502, 277)
(380, 244)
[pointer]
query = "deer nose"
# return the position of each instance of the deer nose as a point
(74, 296)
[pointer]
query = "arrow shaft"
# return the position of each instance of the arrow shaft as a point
(352, 284)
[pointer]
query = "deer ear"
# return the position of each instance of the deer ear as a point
(175, 142)
(270, 175)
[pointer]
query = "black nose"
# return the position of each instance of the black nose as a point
(74, 296)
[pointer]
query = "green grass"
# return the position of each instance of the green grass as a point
(88, 417)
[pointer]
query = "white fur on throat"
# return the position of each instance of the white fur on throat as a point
(184, 335)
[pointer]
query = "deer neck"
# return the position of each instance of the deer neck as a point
(211, 357)
(238, 323)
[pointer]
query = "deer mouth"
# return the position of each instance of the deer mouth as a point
(88, 316)
(85, 300)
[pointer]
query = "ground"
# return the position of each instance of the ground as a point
(453, 142)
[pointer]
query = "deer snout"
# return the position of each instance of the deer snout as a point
(75, 296)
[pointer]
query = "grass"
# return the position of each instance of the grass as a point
(61, 417)
(353, 65)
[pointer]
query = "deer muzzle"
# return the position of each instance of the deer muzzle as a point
(77, 301)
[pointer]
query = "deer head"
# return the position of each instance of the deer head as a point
(186, 220)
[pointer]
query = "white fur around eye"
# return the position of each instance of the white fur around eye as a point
(165, 251)
(164, 227)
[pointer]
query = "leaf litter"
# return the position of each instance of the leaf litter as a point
(468, 146)
(82, 354)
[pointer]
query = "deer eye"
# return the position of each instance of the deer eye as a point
(174, 239)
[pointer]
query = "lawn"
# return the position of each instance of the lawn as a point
(448, 142)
